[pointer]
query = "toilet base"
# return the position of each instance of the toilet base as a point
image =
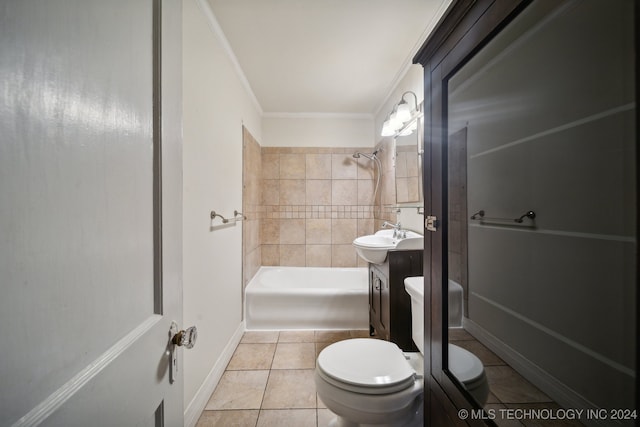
(417, 420)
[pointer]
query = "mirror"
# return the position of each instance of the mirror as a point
(408, 170)
(541, 213)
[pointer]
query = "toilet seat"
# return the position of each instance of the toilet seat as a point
(464, 365)
(366, 366)
(469, 370)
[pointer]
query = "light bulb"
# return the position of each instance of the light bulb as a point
(403, 112)
(387, 130)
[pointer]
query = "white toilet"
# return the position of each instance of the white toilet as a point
(368, 382)
(464, 365)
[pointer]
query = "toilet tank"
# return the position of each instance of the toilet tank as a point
(455, 304)
(415, 288)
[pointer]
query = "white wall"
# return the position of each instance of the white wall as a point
(317, 131)
(216, 105)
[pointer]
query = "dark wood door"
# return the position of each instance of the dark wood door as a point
(466, 29)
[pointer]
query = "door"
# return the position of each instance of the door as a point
(532, 130)
(90, 212)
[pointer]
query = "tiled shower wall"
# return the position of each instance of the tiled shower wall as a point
(315, 202)
(251, 206)
(305, 206)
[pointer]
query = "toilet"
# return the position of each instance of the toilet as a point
(368, 382)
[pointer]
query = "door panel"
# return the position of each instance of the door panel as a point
(79, 191)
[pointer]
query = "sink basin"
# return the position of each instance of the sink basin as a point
(374, 247)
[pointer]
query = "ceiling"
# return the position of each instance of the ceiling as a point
(325, 56)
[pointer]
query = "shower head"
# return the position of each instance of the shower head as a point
(371, 156)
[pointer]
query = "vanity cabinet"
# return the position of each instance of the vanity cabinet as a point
(389, 303)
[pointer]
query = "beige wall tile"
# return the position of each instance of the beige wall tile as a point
(318, 192)
(366, 188)
(270, 255)
(292, 166)
(318, 256)
(318, 166)
(271, 192)
(251, 234)
(365, 226)
(292, 232)
(401, 165)
(343, 256)
(251, 264)
(343, 166)
(344, 192)
(270, 166)
(270, 233)
(292, 191)
(343, 231)
(292, 255)
(318, 231)
(366, 168)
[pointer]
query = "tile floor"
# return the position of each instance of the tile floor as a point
(269, 383)
(509, 390)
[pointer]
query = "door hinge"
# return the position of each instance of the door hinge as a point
(431, 223)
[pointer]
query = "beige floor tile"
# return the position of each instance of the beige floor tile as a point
(252, 356)
(321, 346)
(260, 337)
(320, 403)
(287, 417)
(294, 356)
(332, 336)
(457, 334)
(486, 356)
(239, 390)
(511, 387)
(228, 419)
(297, 336)
(287, 389)
(325, 416)
(359, 333)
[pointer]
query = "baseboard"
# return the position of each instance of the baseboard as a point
(199, 401)
(555, 389)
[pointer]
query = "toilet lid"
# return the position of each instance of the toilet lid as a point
(464, 365)
(366, 362)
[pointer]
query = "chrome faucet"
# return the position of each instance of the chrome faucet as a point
(397, 230)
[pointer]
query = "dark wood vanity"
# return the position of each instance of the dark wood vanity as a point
(389, 303)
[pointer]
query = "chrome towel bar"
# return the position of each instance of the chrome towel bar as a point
(235, 218)
(480, 217)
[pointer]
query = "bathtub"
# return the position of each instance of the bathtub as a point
(307, 298)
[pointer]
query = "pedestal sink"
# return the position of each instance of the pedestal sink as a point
(373, 248)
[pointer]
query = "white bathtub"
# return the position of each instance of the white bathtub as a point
(307, 298)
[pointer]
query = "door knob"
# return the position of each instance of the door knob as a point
(186, 338)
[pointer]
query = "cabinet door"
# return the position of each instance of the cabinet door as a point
(385, 303)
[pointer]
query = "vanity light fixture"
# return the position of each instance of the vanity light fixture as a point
(402, 120)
